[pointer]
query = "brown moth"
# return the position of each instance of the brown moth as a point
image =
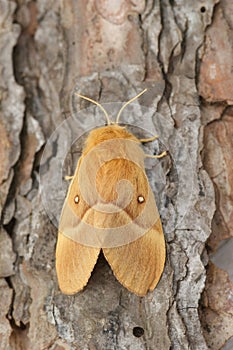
(110, 207)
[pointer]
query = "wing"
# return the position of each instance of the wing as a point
(138, 265)
(74, 261)
(74, 264)
(138, 262)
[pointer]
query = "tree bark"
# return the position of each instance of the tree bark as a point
(110, 51)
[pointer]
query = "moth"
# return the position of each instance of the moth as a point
(110, 207)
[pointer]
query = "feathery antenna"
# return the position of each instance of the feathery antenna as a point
(126, 104)
(97, 104)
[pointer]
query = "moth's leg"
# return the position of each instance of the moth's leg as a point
(157, 156)
(67, 178)
(149, 139)
(153, 156)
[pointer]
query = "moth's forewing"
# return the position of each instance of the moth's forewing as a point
(74, 261)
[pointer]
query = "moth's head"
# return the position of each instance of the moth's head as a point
(105, 133)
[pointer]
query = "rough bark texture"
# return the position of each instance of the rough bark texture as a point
(216, 89)
(180, 50)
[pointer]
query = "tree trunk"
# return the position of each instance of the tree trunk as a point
(110, 51)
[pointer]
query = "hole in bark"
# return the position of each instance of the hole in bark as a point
(202, 9)
(138, 332)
